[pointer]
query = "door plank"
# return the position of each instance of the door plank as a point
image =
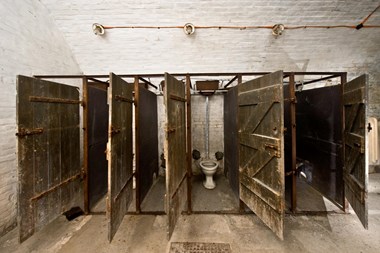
(119, 153)
(355, 177)
(261, 149)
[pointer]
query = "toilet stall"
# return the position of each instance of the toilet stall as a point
(275, 129)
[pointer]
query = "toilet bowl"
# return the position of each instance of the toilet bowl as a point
(209, 168)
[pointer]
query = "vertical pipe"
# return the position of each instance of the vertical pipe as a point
(189, 169)
(293, 133)
(207, 128)
(85, 145)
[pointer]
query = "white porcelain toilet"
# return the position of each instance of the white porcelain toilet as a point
(209, 168)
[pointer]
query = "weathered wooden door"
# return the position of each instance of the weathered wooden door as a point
(49, 163)
(175, 149)
(119, 152)
(355, 146)
(261, 149)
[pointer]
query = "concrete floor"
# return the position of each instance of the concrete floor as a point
(245, 233)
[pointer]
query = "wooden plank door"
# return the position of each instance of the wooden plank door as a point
(119, 152)
(175, 149)
(355, 146)
(49, 165)
(261, 149)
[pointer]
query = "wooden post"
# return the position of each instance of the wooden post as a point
(293, 132)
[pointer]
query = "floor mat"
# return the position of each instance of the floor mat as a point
(199, 247)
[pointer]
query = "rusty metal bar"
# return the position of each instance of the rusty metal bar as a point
(63, 183)
(123, 188)
(230, 82)
(123, 99)
(230, 212)
(174, 97)
(247, 27)
(320, 79)
(97, 81)
(179, 185)
(147, 213)
(26, 132)
(86, 191)
(147, 82)
(137, 145)
(368, 16)
(293, 132)
(189, 145)
(185, 74)
(53, 100)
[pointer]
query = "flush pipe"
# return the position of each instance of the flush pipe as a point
(207, 129)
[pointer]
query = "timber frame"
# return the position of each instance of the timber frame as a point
(235, 76)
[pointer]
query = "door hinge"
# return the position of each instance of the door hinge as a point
(25, 132)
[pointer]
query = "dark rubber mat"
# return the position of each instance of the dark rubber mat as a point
(199, 247)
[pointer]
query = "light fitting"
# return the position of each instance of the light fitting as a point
(277, 29)
(189, 28)
(98, 29)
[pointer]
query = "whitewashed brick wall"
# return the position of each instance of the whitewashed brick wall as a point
(213, 50)
(30, 43)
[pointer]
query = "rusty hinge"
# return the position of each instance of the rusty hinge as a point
(123, 99)
(115, 130)
(293, 100)
(273, 147)
(25, 132)
(175, 97)
(270, 146)
(53, 100)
